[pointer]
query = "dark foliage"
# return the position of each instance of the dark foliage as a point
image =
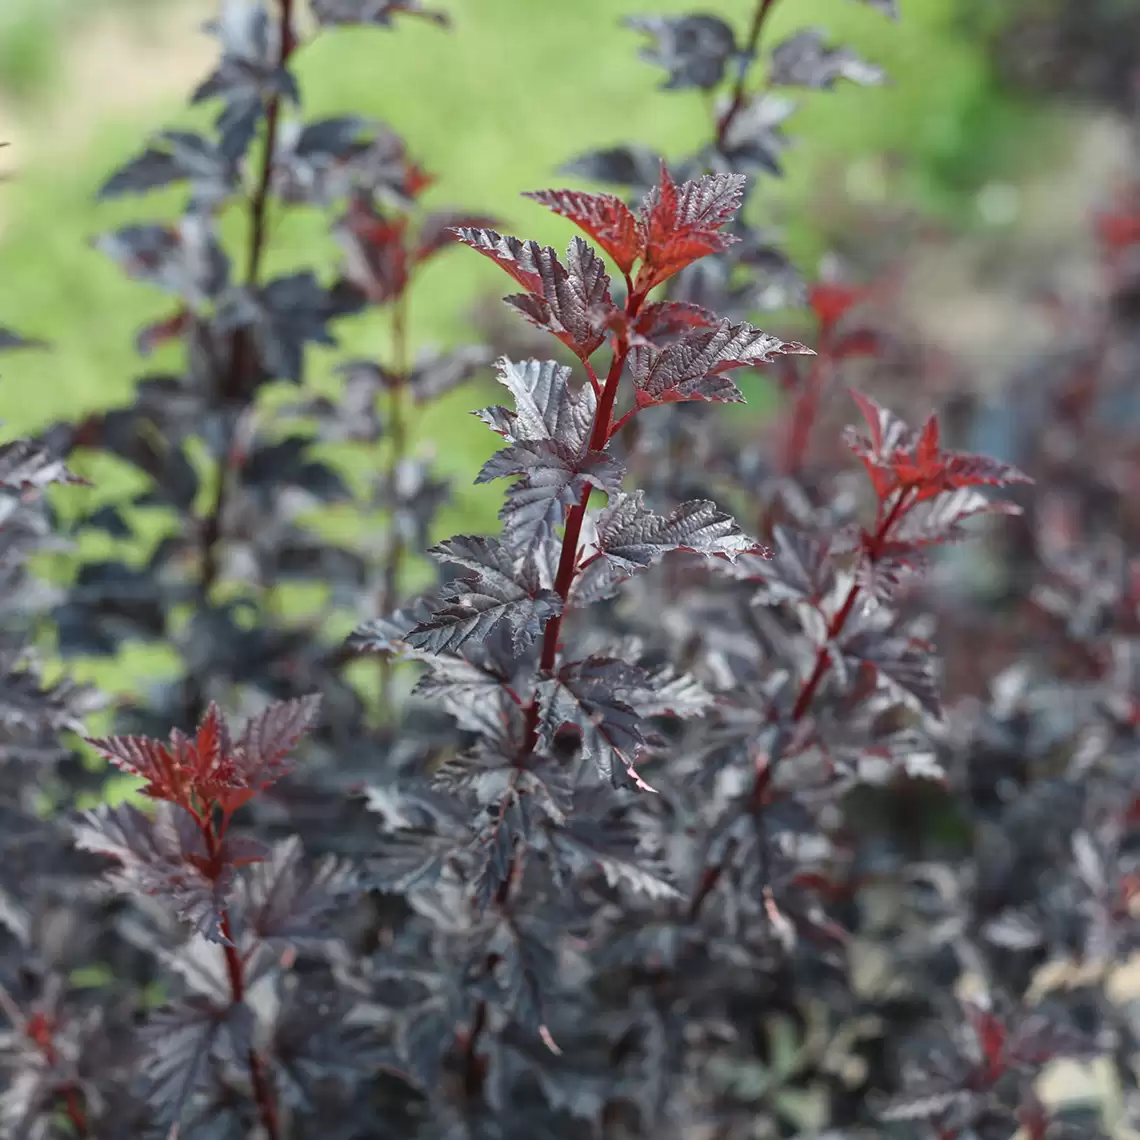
(725, 804)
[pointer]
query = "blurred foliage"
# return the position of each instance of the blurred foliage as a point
(927, 142)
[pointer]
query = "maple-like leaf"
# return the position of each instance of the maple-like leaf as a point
(546, 406)
(179, 1040)
(661, 319)
(681, 224)
(694, 49)
(180, 769)
(521, 259)
(261, 754)
(693, 367)
(631, 538)
(612, 849)
(572, 301)
(805, 60)
(549, 433)
(376, 250)
(283, 900)
(605, 217)
(551, 478)
(167, 857)
(575, 303)
(587, 696)
(494, 592)
(899, 460)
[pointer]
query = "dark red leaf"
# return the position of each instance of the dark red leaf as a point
(681, 224)
(605, 217)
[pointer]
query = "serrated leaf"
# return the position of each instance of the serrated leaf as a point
(494, 593)
(805, 60)
(546, 406)
(178, 1041)
(167, 857)
(681, 224)
(584, 697)
(612, 849)
(186, 260)
(693, 367)
(551, 478)
(173, 157)
(261, 753)
(631, 538)
(283, 900)
(605, 217)
(694, 50)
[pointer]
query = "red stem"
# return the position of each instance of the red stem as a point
(805, 410)
(738, 92)
(568, 559)
(235, 969)
(563, 582)
(757, 796)
(241, 345)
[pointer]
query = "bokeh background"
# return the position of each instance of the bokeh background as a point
(973, 174)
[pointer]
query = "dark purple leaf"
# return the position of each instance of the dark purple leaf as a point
(805, 60)
(173, 157)
(379, 13)
(693, 367)
(631, 538)
(694, 49)
(492, 593)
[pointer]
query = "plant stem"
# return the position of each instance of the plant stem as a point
(259, 1080)
(758, 795)
(568, 559)
(564, 580)
(235, 385)
(398, 447)
(739, 94)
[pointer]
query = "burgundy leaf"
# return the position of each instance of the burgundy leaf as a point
(693, 367)
(605, 217)
(680, 225)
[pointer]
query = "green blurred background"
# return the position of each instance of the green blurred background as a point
(493, 107)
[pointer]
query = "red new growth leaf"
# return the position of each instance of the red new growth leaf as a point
(521, 259)
(177, 770)
(209, 770)
(1119, 228)
(681, 224)
(375, 250)
(832, 302)
(260, 755)
(899, 460)
(605, 217)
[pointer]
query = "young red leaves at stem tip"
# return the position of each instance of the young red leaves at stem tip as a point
(210, 769)
(675, 226)
(899, 460)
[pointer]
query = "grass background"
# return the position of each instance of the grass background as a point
(492, 108)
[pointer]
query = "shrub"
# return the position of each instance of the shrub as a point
(674, 836)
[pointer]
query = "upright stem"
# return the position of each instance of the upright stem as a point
(568, 559)
(563, 582)
(235, 386)
(739, 94)
(263, 1094)
(808, 690)
(398, 447)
